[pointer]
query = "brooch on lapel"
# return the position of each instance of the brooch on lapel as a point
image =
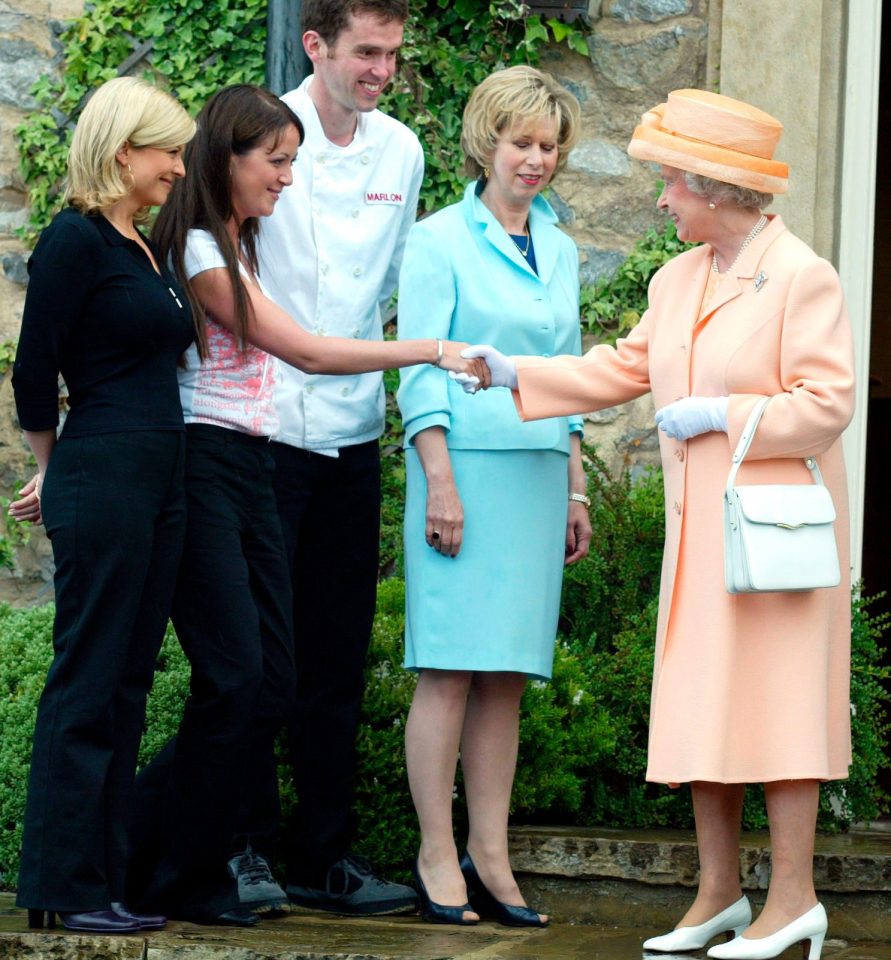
(760, 280)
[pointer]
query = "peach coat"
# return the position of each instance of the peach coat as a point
(746, 688)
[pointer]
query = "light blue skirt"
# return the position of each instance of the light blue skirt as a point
(495, 605)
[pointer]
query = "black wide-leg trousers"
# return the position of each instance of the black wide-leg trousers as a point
(330, 515)
(114, 510)
(232, 614)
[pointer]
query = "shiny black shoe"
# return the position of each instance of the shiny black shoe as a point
(236, 917)
(487, 906)
(89, 921)
(146, 921)
(434, 912)
(233, 917)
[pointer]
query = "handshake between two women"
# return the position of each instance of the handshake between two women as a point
(683, 419)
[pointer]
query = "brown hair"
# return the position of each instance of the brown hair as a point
(329, 18)
(234, 120)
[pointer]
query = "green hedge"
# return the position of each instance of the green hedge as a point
(583, 736)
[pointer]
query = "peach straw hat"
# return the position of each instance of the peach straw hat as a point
(714, 136)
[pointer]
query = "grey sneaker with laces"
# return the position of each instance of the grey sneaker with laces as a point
(257, 889)
(353, 889)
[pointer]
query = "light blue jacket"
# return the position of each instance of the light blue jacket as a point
(463, 278)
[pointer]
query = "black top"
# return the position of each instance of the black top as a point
(97, 312)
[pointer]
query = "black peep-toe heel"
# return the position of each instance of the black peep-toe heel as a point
(487, 906)
(434, 912)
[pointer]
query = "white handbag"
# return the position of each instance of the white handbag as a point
(777, 536)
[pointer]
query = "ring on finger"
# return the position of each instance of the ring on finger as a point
(435, 534)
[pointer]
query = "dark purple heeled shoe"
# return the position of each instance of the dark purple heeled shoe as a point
(38, 918)
(89, 921)
(146, 921)
(487, 906)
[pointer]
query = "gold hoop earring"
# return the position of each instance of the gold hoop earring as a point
(128, 179)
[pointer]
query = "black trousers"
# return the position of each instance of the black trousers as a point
(232, 614)
(330, 514)
(114, 510)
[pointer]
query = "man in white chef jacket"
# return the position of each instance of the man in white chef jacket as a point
(330, 256)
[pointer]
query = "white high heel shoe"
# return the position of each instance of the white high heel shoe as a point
(735, 918)
(809, 927)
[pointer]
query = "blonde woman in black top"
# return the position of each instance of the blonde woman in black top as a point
(106, 313)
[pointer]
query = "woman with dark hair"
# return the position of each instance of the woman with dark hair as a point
(232, 609)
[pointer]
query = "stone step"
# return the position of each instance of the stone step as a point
(607, 890)
(646, 876)
(317, 937)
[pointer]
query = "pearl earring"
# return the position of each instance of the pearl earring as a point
(712, 205)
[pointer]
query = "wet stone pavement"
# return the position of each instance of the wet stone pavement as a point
(607, 889)
(304, 936)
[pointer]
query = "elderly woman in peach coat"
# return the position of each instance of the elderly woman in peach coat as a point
(749, 688)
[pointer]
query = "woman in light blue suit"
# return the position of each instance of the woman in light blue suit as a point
(492, 268)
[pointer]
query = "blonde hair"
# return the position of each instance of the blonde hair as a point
(123, 110)
(517, 97)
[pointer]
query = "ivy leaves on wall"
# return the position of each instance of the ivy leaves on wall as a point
(450, 47)
(611, 307)
(194, 47)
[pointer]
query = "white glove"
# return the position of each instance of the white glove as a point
(504, 370)
(691, 416)
(469, 383)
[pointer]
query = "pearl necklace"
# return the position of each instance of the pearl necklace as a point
(759, 226)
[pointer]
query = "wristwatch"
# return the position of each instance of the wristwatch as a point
(581, 498)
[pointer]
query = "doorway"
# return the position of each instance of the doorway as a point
(876, 558)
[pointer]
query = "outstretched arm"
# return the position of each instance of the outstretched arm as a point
(273, 330)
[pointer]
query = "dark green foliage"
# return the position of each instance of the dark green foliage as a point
(386, 822)
(564, 731)
(165, 704)
(449, 48)
(583, 737)
(197, 46)
(611, 307)
(859, 797)
(26, 647)
(392, 482)
(620, 575)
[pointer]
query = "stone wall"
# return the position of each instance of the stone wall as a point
(28, 50)
(638, 51)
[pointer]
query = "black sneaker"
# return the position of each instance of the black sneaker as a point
(257, 889)
(353, 890)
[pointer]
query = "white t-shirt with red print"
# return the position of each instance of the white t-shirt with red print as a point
(233, 387)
